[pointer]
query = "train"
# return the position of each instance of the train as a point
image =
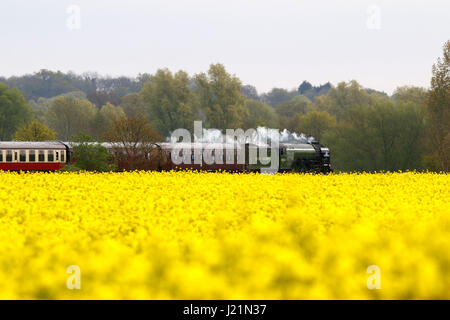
(292, 157)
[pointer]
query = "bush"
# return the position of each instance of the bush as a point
(70, 168)
(89, 155)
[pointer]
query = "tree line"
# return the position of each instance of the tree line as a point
(365, 129)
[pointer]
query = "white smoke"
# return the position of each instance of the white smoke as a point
(211, 136)
(292, 137)
(262, 136)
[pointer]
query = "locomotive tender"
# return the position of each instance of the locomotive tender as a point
(54, 155)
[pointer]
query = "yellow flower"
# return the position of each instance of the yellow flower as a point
(192, 235)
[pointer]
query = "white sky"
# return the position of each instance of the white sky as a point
(266, 43)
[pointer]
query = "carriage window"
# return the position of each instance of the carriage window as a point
(32, 156)
(57, 155)
(23, 156)
(62, 156)
(50, 156)
(8, 156)
(15, 156)
(1, 156)
(41, 156)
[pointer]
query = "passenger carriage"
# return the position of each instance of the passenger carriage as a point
(33, 156)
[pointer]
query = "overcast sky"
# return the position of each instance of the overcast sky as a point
(266, 43)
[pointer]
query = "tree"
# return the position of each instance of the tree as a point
(343, 97)
(437, 110)
(298, 105)
(304, 87)
(35, 131)
(41, 105)
(90, 155)
(315, 123)
(134, 144)
(259, 115)
(14, 111)
(411, 126)
(104, 119)
(250, 92)
(220, 98)
(277, 96)
(311, 92)
(47, 84)
(133, 106)
(381, 136)
(102, 97)
(409, 93)
(111, 113)
(169, 101)
(69, 116)
(288, 111)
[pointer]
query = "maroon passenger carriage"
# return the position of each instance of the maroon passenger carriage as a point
(33, 156)
(222, 156)
(54, 155)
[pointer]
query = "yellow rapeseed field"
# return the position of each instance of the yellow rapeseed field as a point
(185, 235)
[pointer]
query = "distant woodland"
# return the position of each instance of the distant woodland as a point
(366, 130)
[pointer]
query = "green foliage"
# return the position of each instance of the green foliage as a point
(69, 116)
(89, 155)
(437, 111)
(380, 136)
(35, 131)
(297, 105)
(220, 98)
(289, 111)
(14, 111)
(431, 162)
(133, 106)
(104, 119)
(103, 97)
(277, 96)
(259, 114)
(311, 92)
(344, 97)
(48, 84)
(316, 123)
(169, 101)
(42, 104)
(250, 92)
(416, 95)
(70, 168)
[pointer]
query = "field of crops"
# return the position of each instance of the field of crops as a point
(225, 236)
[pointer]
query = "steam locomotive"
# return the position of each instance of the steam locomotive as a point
(292, 157)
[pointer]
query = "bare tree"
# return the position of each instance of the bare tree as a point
(134, 144)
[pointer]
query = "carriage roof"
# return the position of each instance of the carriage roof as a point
(47, 145)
